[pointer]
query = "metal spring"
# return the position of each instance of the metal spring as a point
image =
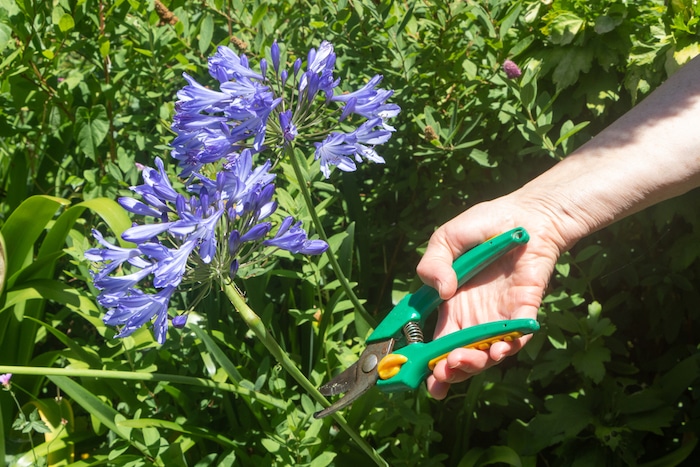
(413, 332)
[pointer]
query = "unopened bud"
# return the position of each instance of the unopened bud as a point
(512, 70)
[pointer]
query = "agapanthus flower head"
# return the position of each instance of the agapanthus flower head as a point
(189, 240)
(213, 122)
(512, 70)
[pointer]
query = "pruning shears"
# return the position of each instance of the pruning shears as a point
(397, 359)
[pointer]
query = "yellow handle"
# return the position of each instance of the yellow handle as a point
(481, 345)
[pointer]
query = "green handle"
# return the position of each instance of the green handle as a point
(419, 354)
(418, 305)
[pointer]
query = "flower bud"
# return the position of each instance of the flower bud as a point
(512, 70)
(275, 53)
(179, 321)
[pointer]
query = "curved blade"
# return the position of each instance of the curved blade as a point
(356, 379)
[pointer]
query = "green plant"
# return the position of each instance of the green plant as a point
(86, 94)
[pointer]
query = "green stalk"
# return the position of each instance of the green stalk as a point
(140, 376)
(345, 284)
(256, 325)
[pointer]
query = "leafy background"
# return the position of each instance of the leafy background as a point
(87, 89)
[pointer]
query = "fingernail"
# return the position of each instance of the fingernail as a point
(438, 287)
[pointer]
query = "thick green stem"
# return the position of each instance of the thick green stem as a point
(256, 325)
(139, 376)
(345, 284)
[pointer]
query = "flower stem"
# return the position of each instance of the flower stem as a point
(345, 284)
(256, 325)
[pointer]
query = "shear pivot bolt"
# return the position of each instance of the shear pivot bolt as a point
(369, 363)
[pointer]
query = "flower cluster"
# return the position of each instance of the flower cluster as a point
(224, 222)
(210, 124)
(207, 234)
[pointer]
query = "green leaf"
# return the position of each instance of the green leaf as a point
(48, 448)
(346, 250)
(651, 421)
(3, 263)
(676, 457)
(565, 418)
(203, 432)
(91, 128)
(90, 359)
(481, 158)
(272, 446)
(23, 227)
(104, 47)
(206, 33)
(568, 129)
(483, 17)
(591, 362)
(36, 424)
(564, 27)
(47, 289)
(528, 85)
(587, 252)
(499, 455)
(5, 35)
(66, 23)
(219, 355)
(326, 458)
(98, 409)
(605, 24)
(571, 62)
(259, 14)
(510, 19)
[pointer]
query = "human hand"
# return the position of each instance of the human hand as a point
(510, 288)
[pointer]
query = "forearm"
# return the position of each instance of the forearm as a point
(650, 154)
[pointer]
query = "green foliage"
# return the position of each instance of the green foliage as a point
(86, 94)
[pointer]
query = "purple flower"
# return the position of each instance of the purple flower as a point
(334, 150)
(319, 75)
(289, 129)
(367, 136)
(5, 380)
(293, 239)
(337, 148)
(136, 308)
(512, 70)
(263, 67)
(275, 54)
(211, 124)
(368, 101)
(179, 321)
(225, 65)
(182, 245)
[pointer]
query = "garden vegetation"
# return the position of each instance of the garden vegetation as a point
(491, 93)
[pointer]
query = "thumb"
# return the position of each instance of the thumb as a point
(445, 245)
(435, 270)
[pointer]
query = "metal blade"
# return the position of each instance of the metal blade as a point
(341, 382)
(356, 379)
